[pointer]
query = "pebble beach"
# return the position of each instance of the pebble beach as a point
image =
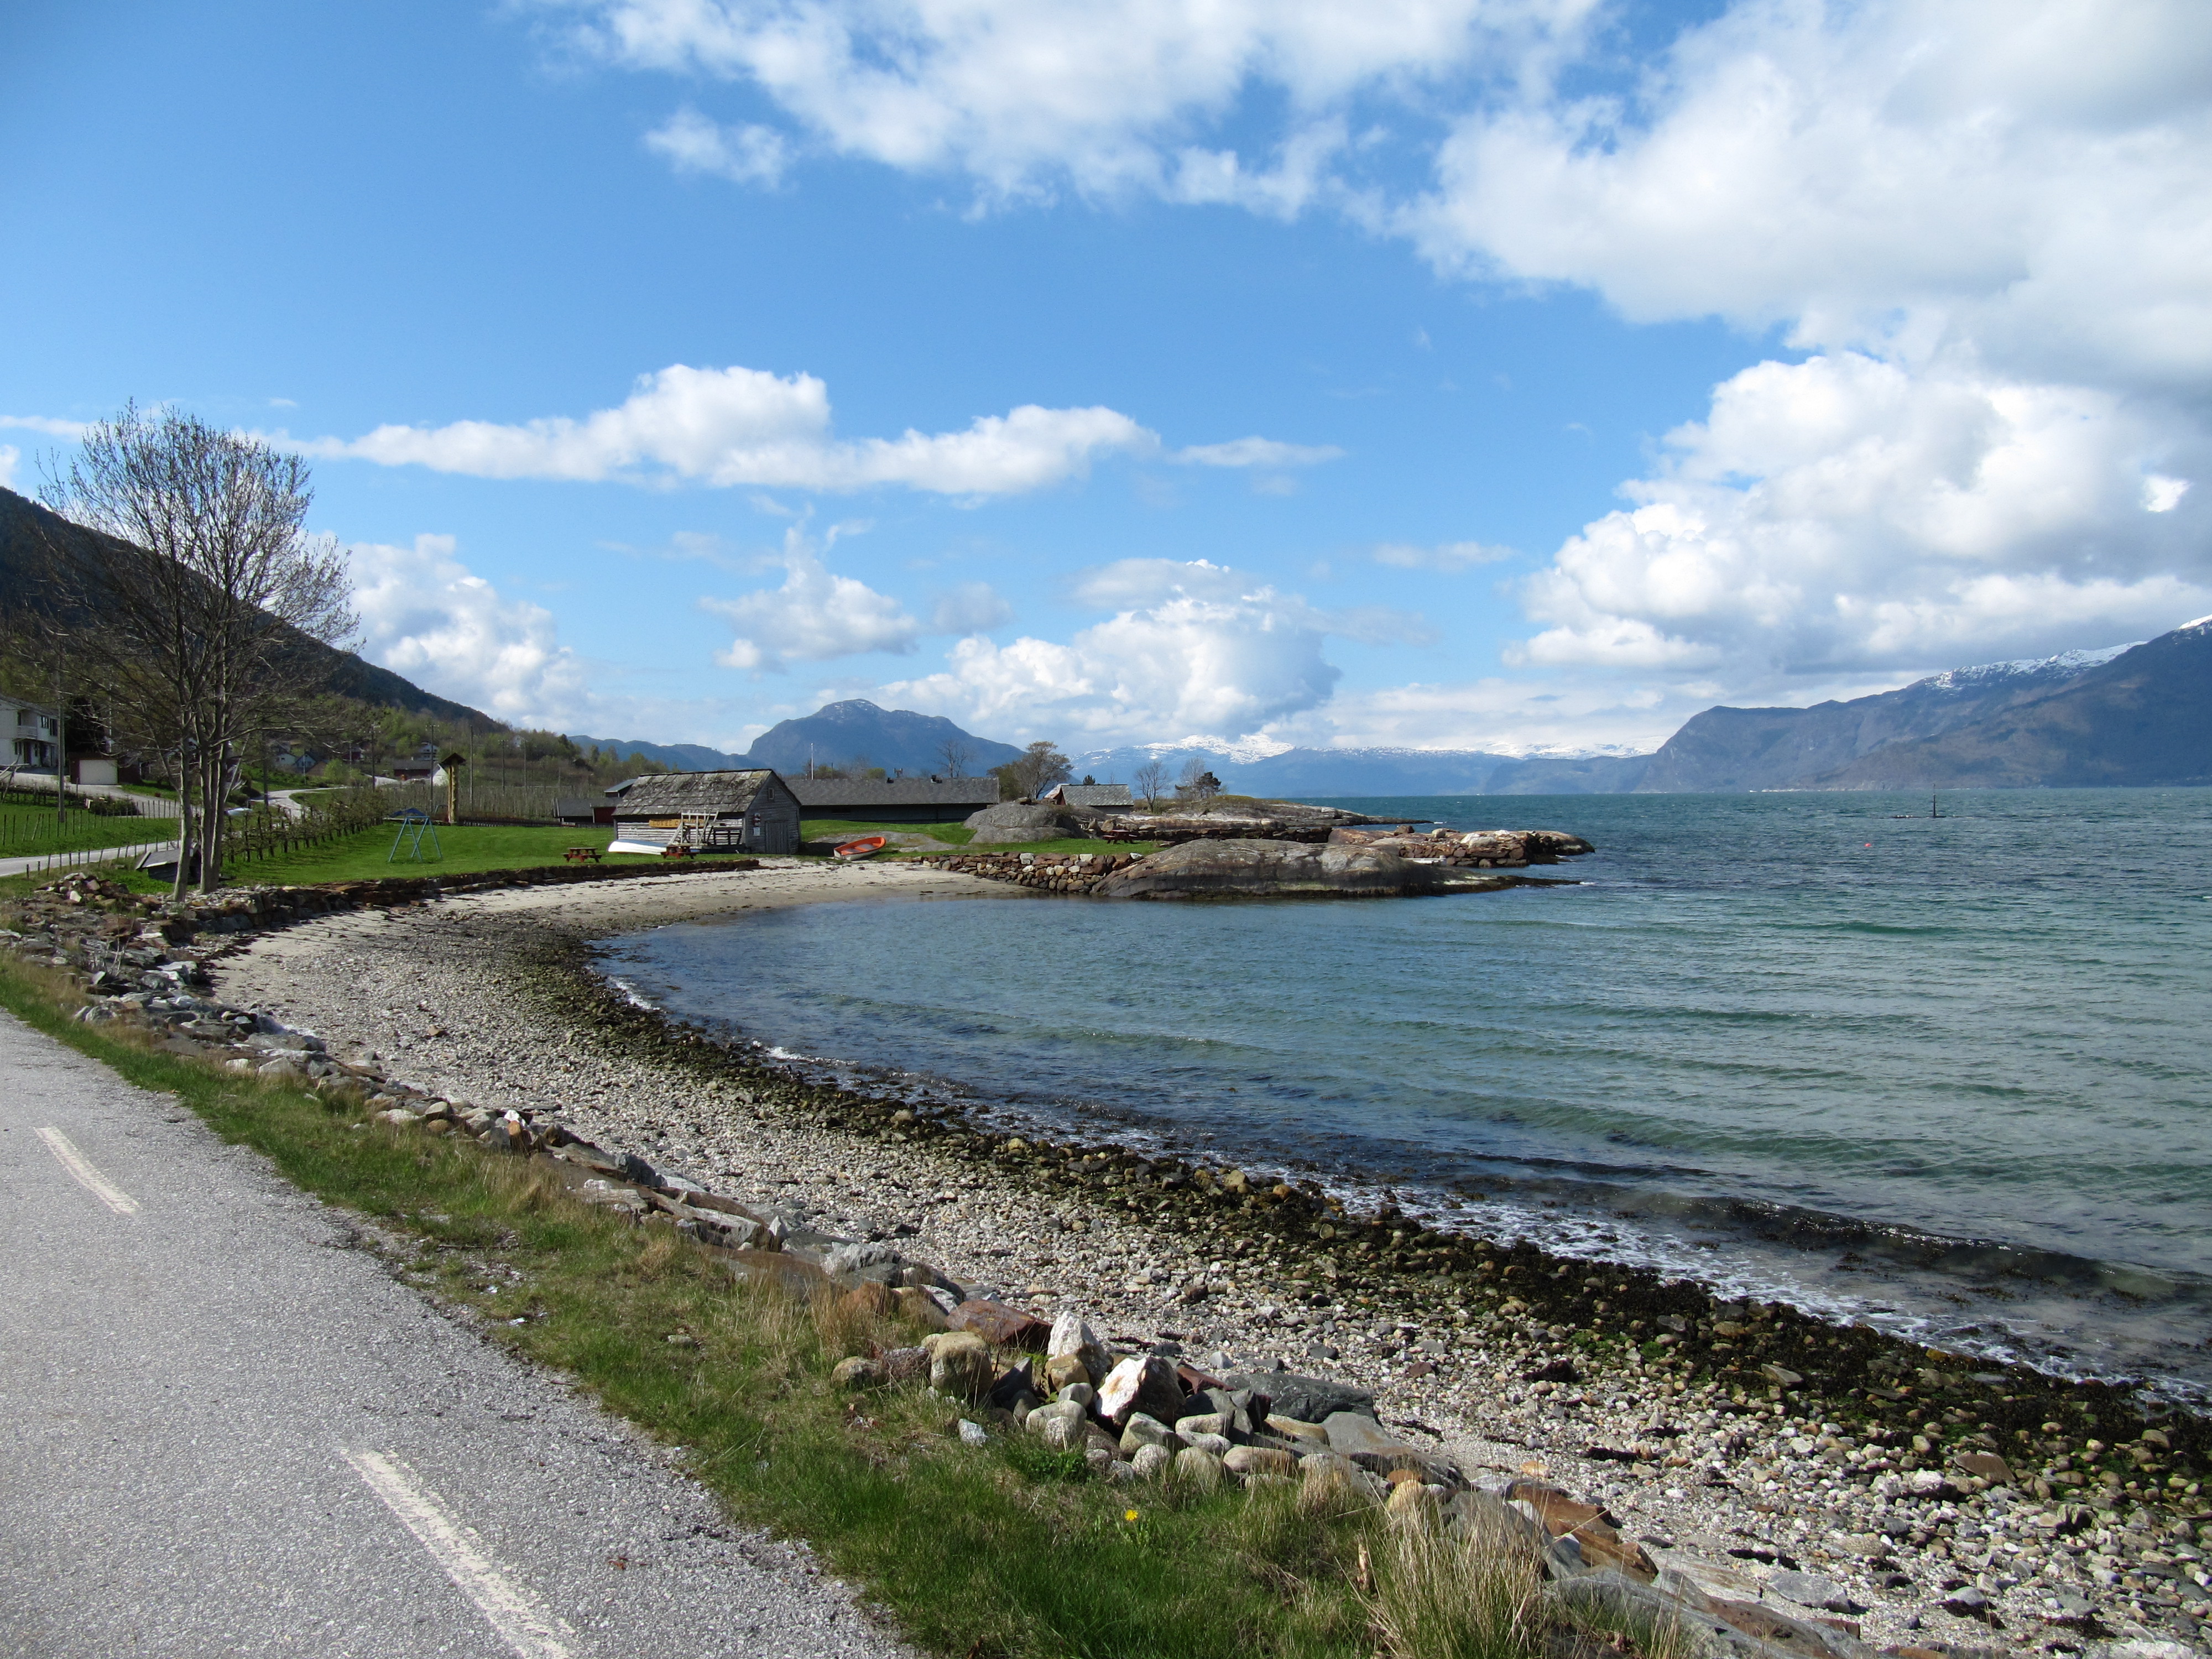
(1915, 1514)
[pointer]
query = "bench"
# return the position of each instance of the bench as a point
(582, 856)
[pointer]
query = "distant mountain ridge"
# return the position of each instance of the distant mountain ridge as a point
(676, 756)
(1297, 772)
(25, 526)
(2126, 716)
(1948, 731)
(898, 739)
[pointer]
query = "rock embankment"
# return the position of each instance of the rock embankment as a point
(1388, 865)
(1476, 849)
(1050, 872)
(1232, 820)
(1291, 869)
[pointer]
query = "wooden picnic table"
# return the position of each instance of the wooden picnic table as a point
(583, 855)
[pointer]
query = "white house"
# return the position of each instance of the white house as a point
(30, 736)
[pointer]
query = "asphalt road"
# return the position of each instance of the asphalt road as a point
(225, 1429)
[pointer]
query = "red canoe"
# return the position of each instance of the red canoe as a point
(866, 846)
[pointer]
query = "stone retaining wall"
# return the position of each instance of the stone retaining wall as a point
(1052, 873)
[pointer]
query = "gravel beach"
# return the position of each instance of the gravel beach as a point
(1730, 1473)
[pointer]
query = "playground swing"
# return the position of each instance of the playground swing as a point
(414, 819)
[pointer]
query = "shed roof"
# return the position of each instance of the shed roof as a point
(863, 795)
(1090, 795)
(666, 794)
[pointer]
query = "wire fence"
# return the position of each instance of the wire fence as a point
(268, 832)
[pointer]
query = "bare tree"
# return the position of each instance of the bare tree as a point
(1197, 785)
(958, 755)
(197, 596)
(1036, 769)
(1151, 778)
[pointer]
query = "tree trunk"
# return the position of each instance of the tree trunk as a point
(184, 825)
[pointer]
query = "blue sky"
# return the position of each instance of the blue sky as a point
(1599, 362)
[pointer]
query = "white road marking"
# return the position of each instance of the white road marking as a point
(66, 1154)
(524, 1622)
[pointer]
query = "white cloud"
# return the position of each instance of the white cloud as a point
(2032, 175)
(10, 455)
(1192, 647)
(52, 428)
(746, 155)
(425, 615)
(1258, 451)
(735, 426)
(1025, 94)
(2161, 493)
(970, 608)
(815, 615)
(1845, 514)
(1447, 556)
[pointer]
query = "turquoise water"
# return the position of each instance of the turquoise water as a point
(1949, 1074)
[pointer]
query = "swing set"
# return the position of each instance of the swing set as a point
(413, 821)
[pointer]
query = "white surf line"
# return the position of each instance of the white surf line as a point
(86, 1176)
(524, 1622)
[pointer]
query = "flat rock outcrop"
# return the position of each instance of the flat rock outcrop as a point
(1262, 869)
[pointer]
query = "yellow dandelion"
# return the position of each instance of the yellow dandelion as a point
(1128, 1515)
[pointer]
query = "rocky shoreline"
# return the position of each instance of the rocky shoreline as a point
(1754, 1454)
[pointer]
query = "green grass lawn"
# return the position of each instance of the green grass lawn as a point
(27, 831)
(463, 849)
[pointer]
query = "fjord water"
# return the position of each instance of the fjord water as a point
(1950, 1074)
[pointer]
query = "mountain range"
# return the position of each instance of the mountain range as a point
(27, 530)
(854, 732)
(2137, 715)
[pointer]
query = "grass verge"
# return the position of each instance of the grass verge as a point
(462, 849)
(999, 1550)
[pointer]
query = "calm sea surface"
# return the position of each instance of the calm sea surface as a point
(1948, 1074)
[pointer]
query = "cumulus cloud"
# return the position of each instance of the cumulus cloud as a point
(1189, 647)
(815, 616)
(426, 615)
(1026, 95)
(10, 455)
(724, 427)
(1844, 513)
(747, 155)
(2034, 176)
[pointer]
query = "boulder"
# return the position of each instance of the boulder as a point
(1072, 1339)
(1013, 822)
(1249, 1461)
(1306, 1398)
(1265, 869)
(857, 1264)
(1151, 1463)
(917, 1307)
(1143, 1431)
(870, 1299)
(859, 1374)
(1065, 1371)
(1351, 1433)
(1142, 1382)
(996, 1322)
(906, 1364)
(959, 1365)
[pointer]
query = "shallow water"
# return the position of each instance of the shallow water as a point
(1948, 1074)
